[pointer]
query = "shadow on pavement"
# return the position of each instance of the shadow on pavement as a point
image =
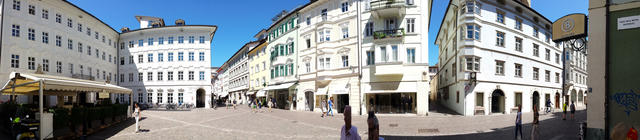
(552, 128)
(113, 130)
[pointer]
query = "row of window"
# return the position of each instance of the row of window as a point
(282, 50)
(473, 64)
(31, 35)
(384, 56)
(159, 76)
(45, 64)
(282, 70)
(161, 57)
(282, 29)
(170, 40)
(45, 15)
(242, 81)
(159, 96)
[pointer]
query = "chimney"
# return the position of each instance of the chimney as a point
(179, 22)
(124, 29)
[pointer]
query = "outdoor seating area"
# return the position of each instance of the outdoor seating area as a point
(70, 117)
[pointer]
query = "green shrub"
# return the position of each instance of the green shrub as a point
(60, 117)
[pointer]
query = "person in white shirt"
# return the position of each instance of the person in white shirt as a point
(136, 114)
(348, 132)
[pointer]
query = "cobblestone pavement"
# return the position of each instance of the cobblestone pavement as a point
(281, 124)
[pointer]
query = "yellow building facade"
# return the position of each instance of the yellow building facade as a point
(259, 69)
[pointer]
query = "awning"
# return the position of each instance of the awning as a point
(251, 92)
(280, 86)
(28, 84)
(223, 94)
(322, 91)
(261, 93)
(338, 88)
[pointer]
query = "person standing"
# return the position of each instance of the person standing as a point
(234, 104)
(374, 127)
(323, 106)
(136, 114)
(573, 110)
(270, 105)
(519, 122)
(534, 130)
(564, 111)
(348, 132)
(330, 106)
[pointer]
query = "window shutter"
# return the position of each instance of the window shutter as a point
(292, 49)
(291, 69)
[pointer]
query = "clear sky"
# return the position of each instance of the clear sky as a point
(552, 9)
(239, 20)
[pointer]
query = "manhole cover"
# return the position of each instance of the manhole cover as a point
(428, 131)
(393, 125)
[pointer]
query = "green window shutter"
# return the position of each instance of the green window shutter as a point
(291, 69)
(292, 49)
(286, 51)
(286, 73)
(272, 73)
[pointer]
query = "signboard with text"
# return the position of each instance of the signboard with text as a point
(570, 27)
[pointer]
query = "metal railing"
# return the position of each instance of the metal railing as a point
(394, 33)
(381, 4)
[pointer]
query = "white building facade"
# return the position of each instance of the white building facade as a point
(167, 64)
(59, 37)
(577, 76)
(495, 56)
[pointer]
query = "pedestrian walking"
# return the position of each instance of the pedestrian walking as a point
(270, 105)
(227, 103)
(535, 132)
(323, 106)
(330, 106)
(519, 123)
(136, 114)
(564, 111)
(234, 104)
(348, 132)
(548, 104)
(573, 110)
(259, 105)
(374, 127)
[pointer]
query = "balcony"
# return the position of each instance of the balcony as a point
(388, 8)
(383, 35)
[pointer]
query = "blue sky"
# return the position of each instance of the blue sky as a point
(239, 20)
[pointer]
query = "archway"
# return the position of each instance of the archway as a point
(536, 99)
(200, 97)
(497, 101)
(580, 96)
(573, 96)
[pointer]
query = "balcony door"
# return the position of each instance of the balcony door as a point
(390, 24)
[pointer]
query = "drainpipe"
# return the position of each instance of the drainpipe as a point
(359, 17)
(606, 70)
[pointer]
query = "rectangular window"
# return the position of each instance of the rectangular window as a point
(121, 76)
(140, 58)
(473, 32)
(499, 38)
(371, 58)
(547, 54)
(150, 41)
(149, 97)
(150, 57)
(518, 70)
(345, 61)
(58, 41)
(170, 75)
(201, 56)
(88, 31)
(201, 39)
(45, 37)
(411, 55)
(79, 47)
(394, 53)
(15, 61)
(307, 66)
(518, 25)
(547, 76)
(79, 27)
(308, 43)
(191, 56)
(58, 66)
(15, 30)
(32, 10)
(160, 76)
(170, 41)
(140, 43)
(500, 16)
(323, 14)
(499, 67)
(473, 63)
(170, 97)
(518, 44)
(479, 99)
(535, 32)
(411, 25)
(170, 57)
(160, 57)
(536, 50)
(321, 63)
(180, 75)
(191, 74)
(71, 68)
(536, 73)
(518, 99)
(69, 23)
(149, 76)
(131, 59)
(191, 39)
(70, 44)
(557, 77)
(180, 56)
(345, 32)
(368, 29)
(58, 18)
(180, 39)
(557, 58)
(201, 75)
(121, 60)
(327, 64)
(547, 37)
(32, 34)
(160, 40)
(180, 98)
(45, 14)
(345, 7)
(159, 98)
(45, 65)
(16, 5)
(383, 54)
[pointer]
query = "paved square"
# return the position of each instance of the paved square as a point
(282, 124)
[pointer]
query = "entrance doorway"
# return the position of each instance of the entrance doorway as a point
(342, 100)
(200, 97)
(309, 105)
(536, 99)
(573, 96)
(497, 101)
(557, 100)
